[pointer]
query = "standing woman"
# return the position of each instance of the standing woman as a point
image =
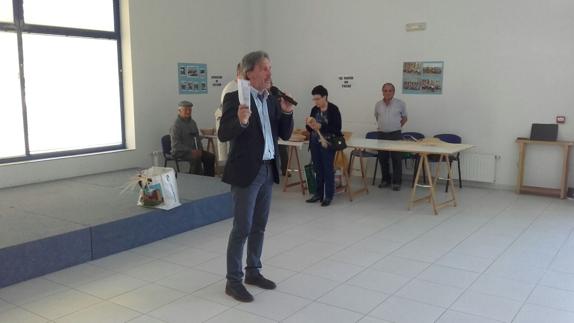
(326, 119)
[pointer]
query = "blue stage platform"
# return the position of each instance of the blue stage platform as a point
(50, 226)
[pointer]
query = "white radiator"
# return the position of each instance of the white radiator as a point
(479, 167)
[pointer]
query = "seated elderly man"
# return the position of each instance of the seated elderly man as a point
(186, 142)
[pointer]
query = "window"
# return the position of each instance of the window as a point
(61, 78)
(6, 11)
(11, 122)
(93, 14)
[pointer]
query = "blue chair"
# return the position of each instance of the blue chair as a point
(367, 154)
(452, 139)
(413, 136)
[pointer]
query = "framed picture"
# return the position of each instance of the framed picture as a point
(423, 77)
(192, 78)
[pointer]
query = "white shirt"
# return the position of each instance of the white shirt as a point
(229, 87)
(389, 116)
(223, 147)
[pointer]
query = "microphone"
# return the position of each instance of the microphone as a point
(278, 93)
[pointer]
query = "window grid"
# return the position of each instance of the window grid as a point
(19, 27)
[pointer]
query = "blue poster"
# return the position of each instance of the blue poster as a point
(422, 77)
(192, 78)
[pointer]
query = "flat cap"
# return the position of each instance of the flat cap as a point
(184, 103)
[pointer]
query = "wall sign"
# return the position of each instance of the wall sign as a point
(346, 81)
(216, 79)
(422, 77)
(192, 78)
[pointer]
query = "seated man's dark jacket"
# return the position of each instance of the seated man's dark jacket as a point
(185, 137)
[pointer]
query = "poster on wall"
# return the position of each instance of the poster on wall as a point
(422, 77)
(192, 78)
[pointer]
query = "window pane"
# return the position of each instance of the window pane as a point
(11, 124)
(85, 14)
(72, 93)
(6, 11)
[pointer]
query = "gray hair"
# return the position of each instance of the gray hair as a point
(388, 84)
(250, 60)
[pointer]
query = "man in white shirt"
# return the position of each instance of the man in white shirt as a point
(222, 147)
(391, 116)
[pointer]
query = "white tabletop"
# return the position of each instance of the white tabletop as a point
(407, 146)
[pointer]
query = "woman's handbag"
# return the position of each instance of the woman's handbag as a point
(336, 142)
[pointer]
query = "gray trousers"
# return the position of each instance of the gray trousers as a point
(250, 212)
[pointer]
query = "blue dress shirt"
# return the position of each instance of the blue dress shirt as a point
(261, 103)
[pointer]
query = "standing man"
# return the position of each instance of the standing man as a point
(251, 169)
(391, 116)
(186, 142)
(222, 148)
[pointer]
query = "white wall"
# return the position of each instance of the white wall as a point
(159, 34)
(507, 64)
(164, 33)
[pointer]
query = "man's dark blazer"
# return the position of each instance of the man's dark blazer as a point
(247, 143)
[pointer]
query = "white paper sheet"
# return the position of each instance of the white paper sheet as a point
(244, 91)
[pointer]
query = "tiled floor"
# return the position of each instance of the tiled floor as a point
(498, 257)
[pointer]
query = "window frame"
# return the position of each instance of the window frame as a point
(20, 27)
